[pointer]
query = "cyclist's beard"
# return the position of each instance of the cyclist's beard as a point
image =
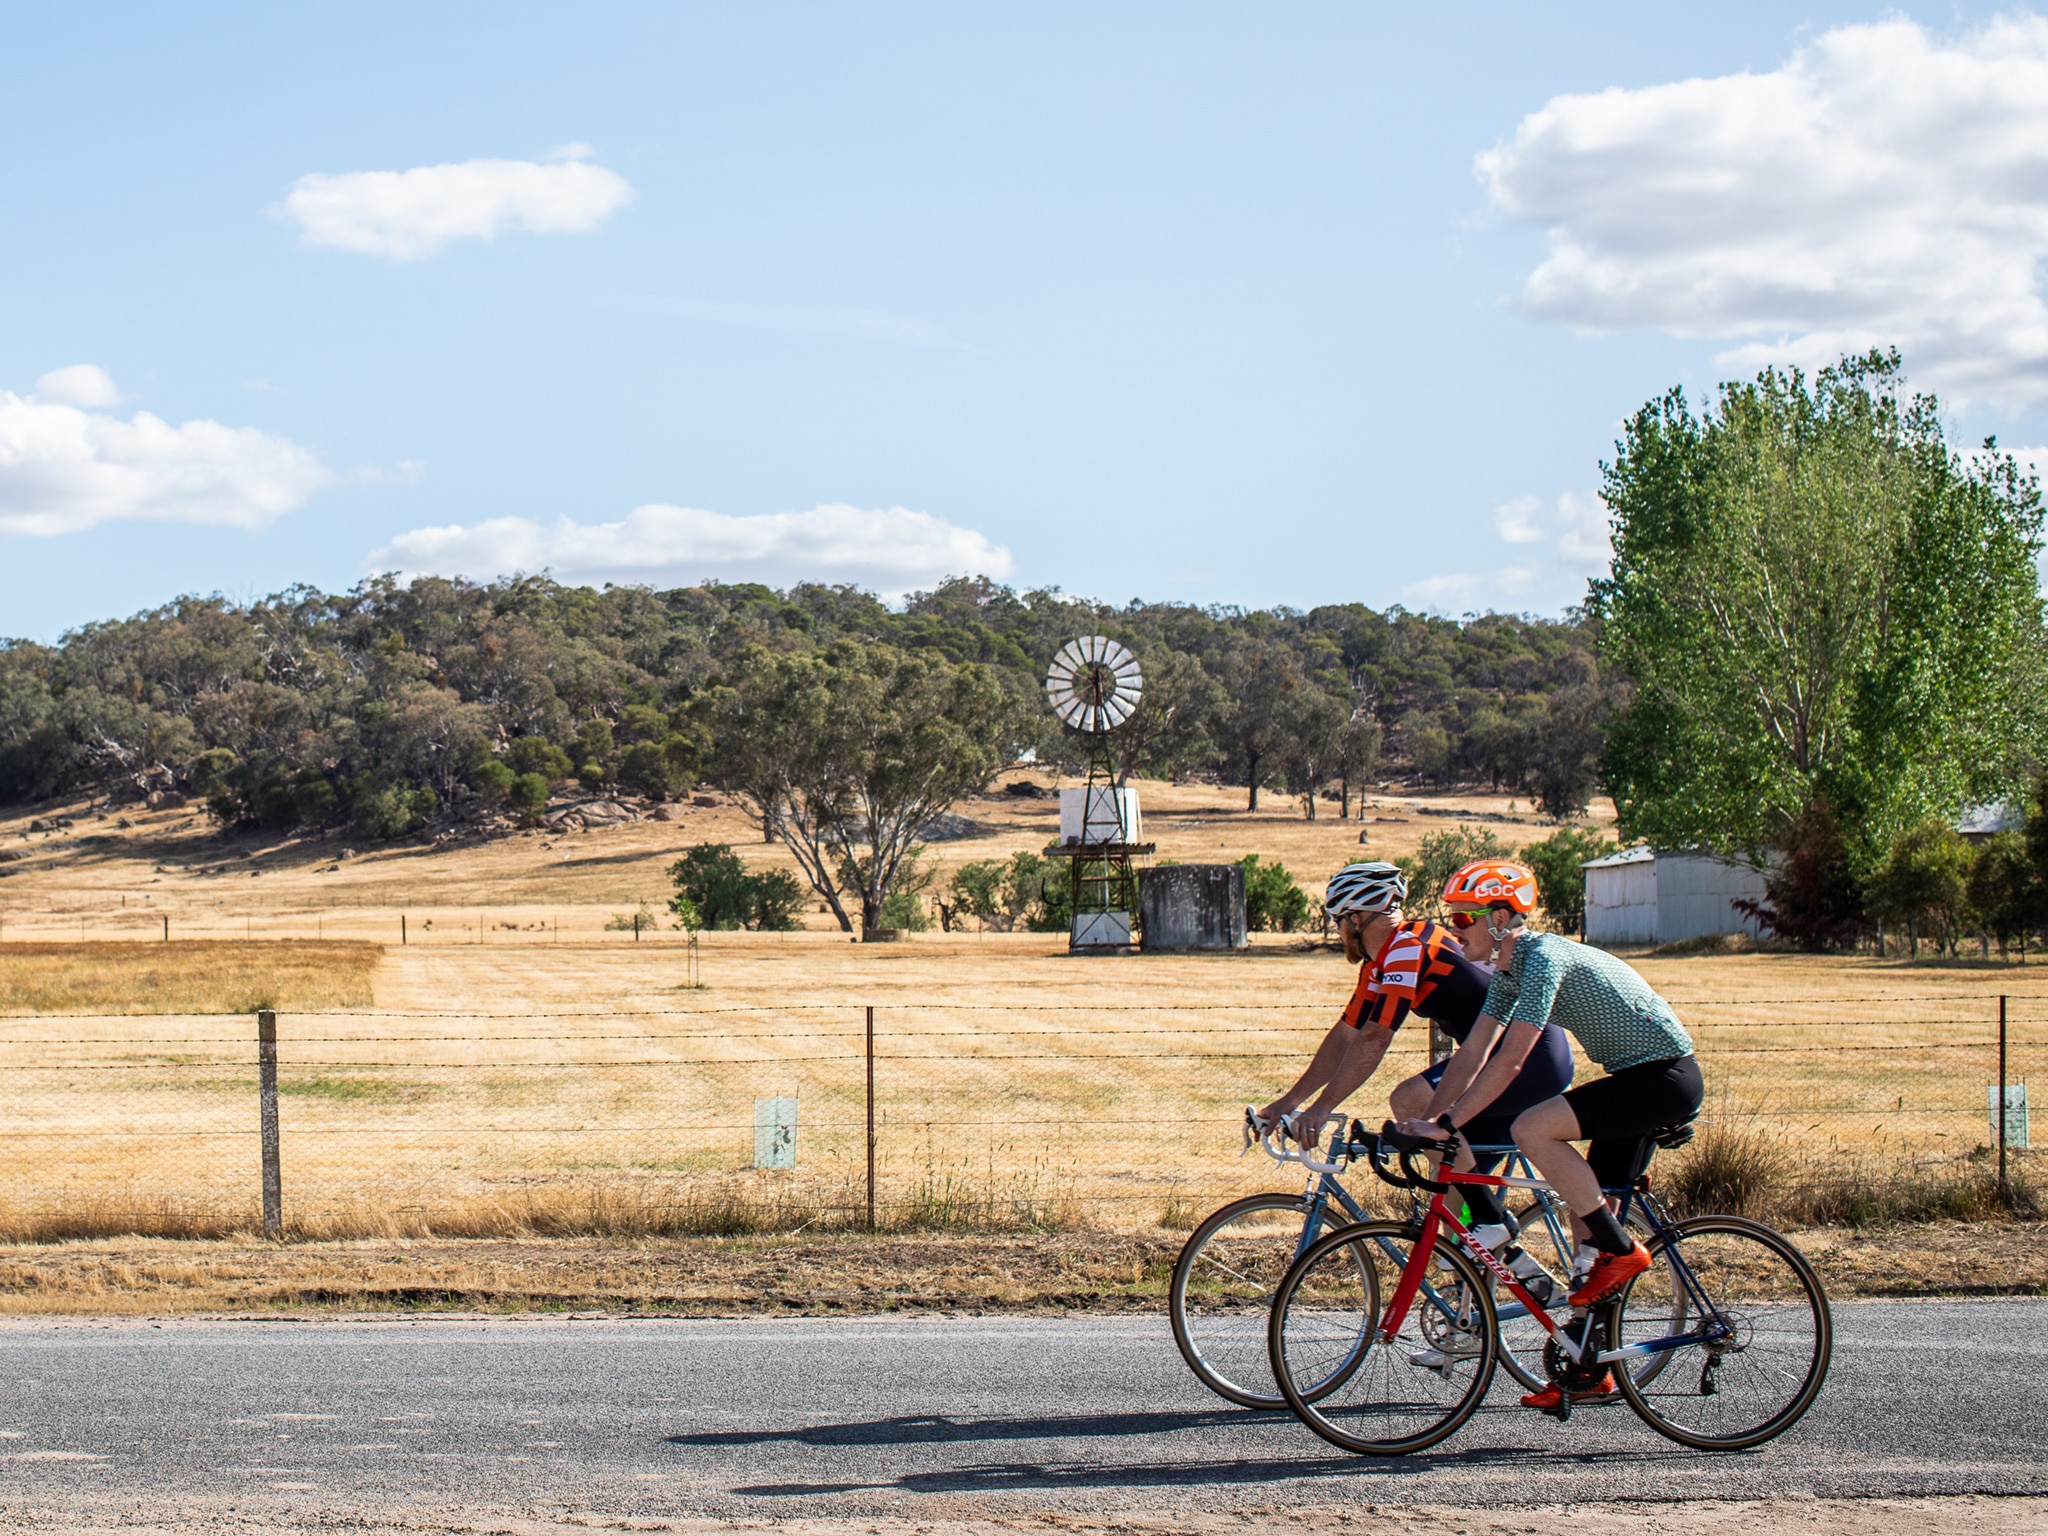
(1354, 950)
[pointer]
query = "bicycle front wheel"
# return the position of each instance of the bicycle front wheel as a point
(1345, 1377)
(1758, 1330)
(1223, 1284)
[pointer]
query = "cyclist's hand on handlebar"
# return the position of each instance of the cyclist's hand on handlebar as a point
(1307, 1127)
(1428, 1130)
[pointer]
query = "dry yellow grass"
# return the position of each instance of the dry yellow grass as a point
(184, 976)
(529, 1085)
(515, 1068)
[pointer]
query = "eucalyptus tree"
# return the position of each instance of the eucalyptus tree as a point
(850, 753)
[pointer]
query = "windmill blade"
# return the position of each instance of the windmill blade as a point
(1119, 711)
(1114, 654)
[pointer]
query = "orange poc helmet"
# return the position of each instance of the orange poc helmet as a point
(1493, 883)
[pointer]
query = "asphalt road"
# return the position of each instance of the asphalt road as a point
(910, 1417)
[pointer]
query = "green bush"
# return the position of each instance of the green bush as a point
(382, 813)
(1442, 855)
(492, 779)
(591, 774)
(1273, 902)
(529, 798)
(210, 772)
(1560, 877)
(1022, 892)
(714, 885)
(660, 770)
(536, 754)
(1924, 885)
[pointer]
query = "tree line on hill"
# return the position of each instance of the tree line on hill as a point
(396, 707)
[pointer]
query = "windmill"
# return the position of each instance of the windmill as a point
(1094, 685)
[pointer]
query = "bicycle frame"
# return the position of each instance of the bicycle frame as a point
(1715, 1327)
(1325, 1185)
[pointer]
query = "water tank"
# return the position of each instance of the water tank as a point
(1192, 906)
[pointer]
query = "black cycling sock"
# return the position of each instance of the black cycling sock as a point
(1606, 1232)
(1485, 1205)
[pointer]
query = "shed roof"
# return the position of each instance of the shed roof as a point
(1626, 856)
(1984, 820)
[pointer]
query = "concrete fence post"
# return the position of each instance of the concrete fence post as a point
(2004, 1109)
(266, 1092)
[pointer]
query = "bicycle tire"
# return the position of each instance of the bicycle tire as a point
(1766, 1289)
(1362, 1401)
(1226, 1347)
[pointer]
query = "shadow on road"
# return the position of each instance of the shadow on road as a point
(994, 1477)
(933, 1429)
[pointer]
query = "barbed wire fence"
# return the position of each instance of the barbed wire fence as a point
(843, 1115)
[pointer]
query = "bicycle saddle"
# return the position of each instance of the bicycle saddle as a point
(1678, 1135)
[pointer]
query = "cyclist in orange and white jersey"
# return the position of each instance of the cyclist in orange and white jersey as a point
(1407, 967)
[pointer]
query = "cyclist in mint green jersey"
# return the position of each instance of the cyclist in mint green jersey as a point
(1545, 981)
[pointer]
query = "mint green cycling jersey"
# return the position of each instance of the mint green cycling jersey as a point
(1606, 1006)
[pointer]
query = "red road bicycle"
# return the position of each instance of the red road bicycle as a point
(1392, 1325)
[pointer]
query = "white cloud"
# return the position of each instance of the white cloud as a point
(1562, 542)
(890, 550)
(407, 215)
(81, 384)
(1881, 187)
(63, 468)
(1516, 522)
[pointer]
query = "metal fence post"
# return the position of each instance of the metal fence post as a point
(266, 1091)
(871, 1119)
(2004, 1113)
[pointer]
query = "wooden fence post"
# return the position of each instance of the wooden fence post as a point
(871, 1119)
(266, 1091)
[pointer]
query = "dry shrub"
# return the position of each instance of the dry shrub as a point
(185, 976)
(97, 1216)
(1178, 1214)
(1868, 1192)
(1741, 1170)
(1728, 1170)
(1034, 1201)
(1715, 944)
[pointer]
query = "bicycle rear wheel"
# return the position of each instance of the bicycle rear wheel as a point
(1740, 1389)
(1365, 1392)
(1223, 1284)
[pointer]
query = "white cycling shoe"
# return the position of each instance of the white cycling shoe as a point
(1459, 1346)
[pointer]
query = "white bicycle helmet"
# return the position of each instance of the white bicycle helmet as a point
(1364, 888)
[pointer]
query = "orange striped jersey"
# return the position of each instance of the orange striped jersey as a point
(1420, 969)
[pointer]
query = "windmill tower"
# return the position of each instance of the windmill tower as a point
(1094, 686)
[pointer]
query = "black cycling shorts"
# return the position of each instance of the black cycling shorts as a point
(1545, 1074)
(1616, 1113)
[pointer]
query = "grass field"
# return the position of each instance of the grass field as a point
(558, 1087)
(116, 874)
(184, 976)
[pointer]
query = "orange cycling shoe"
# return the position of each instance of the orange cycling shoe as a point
(1609, 1274)
(1551, 1398)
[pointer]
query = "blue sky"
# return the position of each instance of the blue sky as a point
(1212, 304)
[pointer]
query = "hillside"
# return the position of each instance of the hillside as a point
(80, 868)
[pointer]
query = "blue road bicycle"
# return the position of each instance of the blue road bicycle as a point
(1231, 1266)
(1730, 1312)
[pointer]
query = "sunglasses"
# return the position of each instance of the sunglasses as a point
(1461, 920)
